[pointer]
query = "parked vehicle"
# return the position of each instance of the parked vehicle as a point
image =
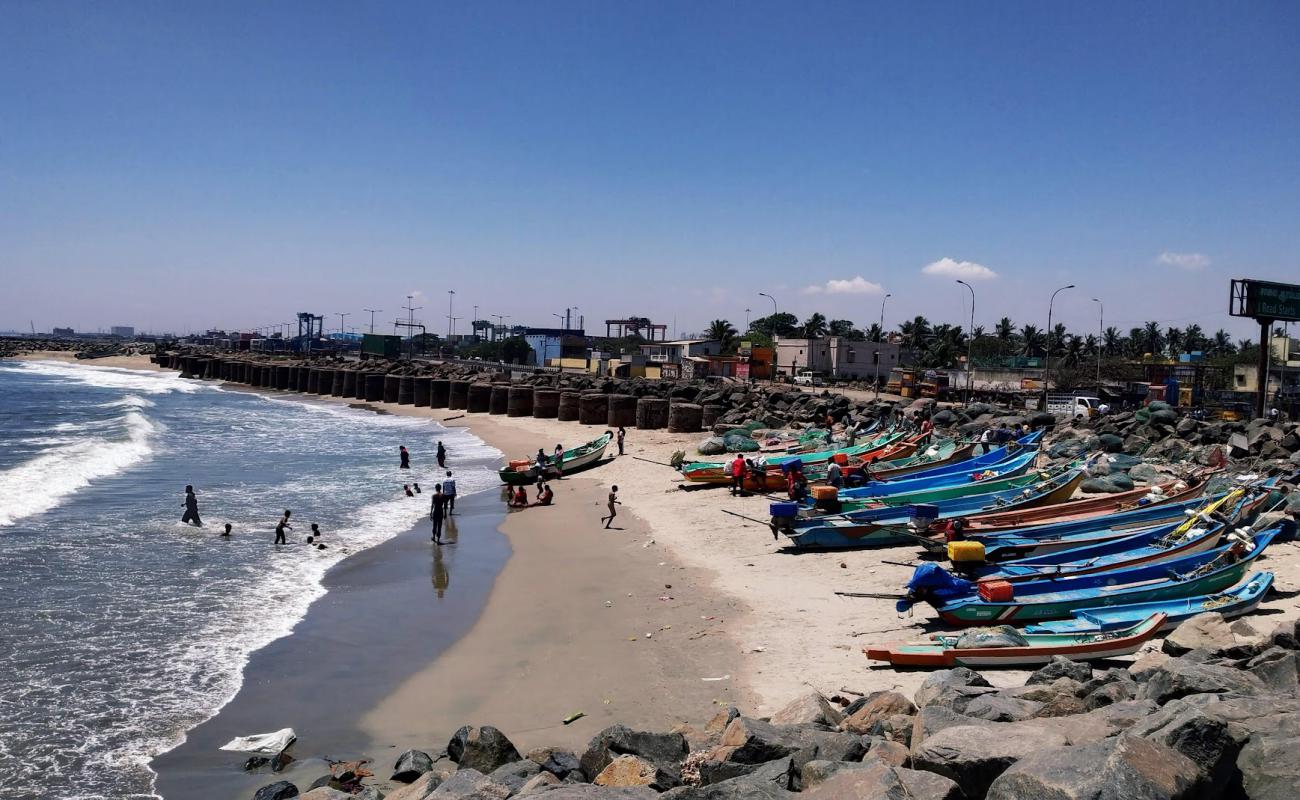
(1076, 406)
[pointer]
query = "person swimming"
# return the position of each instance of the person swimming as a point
(226, 532)
(406, 487)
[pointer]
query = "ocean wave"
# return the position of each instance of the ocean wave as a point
(37, 485)
(133, 380)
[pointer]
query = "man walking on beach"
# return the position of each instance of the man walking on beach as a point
(281, 526)
(622, 434)
(442, 456)
(449, 493)
(613, 512)
(436, 509)
(406, 458)
(738, 469)
(191, 514)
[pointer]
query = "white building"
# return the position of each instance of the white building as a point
(123, 331)
(677, 351)
(839, 357)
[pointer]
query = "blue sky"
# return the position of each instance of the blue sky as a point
(174, 165)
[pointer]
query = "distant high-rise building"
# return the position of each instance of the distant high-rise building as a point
(123, 331)
(63, 331)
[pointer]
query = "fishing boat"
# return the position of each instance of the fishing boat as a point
(771, 478)
(893, 525)
(576, 459)
(943, 452)
(943, 474)
(1201, 531)
(1172, 491)
(1008, 476)
(1040, 540)
(1237, 601)
(941, 649)
(1032, 601)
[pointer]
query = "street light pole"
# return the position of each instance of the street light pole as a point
(776, 350)
(879, 341)
(343, 314)
(1047, 368)
(970, 340)
(1101, 325)
(451, 298)
(372, 311)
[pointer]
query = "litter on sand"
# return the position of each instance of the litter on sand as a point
(723, 678)
(574, 717)
(267, 744)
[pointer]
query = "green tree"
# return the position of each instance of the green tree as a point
(814, 326)
(1173, 341)
(1032, 341)
(515, 350)
(1152, 340)
(915, 333)
(782, 324)
(1112, 342)
(724, 332)
(845, 328)
(875, 333)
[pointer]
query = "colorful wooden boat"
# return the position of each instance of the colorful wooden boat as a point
(941, 650)
(772, 479)
(889, 525)
(1241, 599)
(575, 459)
(1016, 475)
(1172, 491)
(1202, 573)
(943, 474)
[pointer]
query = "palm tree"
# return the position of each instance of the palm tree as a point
(1032, 342)
(1112, 342)
(1222, 344)
(1174, 341)
(1057, 339)
(915, 332)
(874, 333)
(1194, 338)
(1074, 351)
(1152, 340)
(722, 330)
(814, 326)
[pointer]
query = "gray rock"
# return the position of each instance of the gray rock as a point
(483, 749)
(974, 756)
(411, 765)
(1179, 678)
(812, 709)
(422, 789)
(368, 793)
(1001, 708)
(897, 728)
(1269, 768)
(629, 770)
(1206, 631)
(664, 750)
(586, 791)
(741, 788)
(539, 781)
(881, 706)
(935, 683)
(561, 762)
(876, 779)
(1208, 741)
(280, 790)
(932, 719)
(515, 774)
(1060, 667)
(1115, 769)
(888, 751)
(1277, 668)
(470, 784)
(325, 793)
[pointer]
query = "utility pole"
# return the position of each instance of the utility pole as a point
(1047, 368)
(343, 314)
(499, 332)
(1101, 332)
(880, 341)
(451, 298)
(372, 311)
(473, 323)
(410, 320)
(776, 351)
(970, 340)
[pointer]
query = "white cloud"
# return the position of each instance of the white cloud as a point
(1188, 261)
(966, 270)
(855, 285)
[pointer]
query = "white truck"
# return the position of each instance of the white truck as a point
(807, 377)
(1075, 406)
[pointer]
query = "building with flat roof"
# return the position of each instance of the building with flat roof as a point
(123, 331)
(839, 357)
(675, 352)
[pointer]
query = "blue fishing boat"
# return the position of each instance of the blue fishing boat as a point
(1241, 599)
(994, 460)
(1044, 599)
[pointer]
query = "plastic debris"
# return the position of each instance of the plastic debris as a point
(723, 678)
(574, 717)
(270, 744)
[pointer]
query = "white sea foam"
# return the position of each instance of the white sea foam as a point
(39, 484)
(133, 380)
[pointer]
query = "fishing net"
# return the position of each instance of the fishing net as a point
(997, 636)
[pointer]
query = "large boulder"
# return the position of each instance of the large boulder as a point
(811, 709)
(1060, 667)
(421, 789)
(515, 774)
(1114, 769)
(974, 756)
(411, 765)
(936, 682)
(1002, 708)
(881, 706)
(1207, 631)
(325, 793)
(1180, 677)
(1269, 767)
(280, 790)
(932, 719)
(587, 791)
(470, 784)
(876, 779)
(629, 770)
(483, 749)
(1193, 730)
(664, 750)
(1277, 668)
(539, 781)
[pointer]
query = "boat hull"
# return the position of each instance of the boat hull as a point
(1237, 601)
(594, 451)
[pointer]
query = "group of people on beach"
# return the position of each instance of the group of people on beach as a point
(519, 496)
(443, 502)
(191, 517)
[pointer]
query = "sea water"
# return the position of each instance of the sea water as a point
(121, 627)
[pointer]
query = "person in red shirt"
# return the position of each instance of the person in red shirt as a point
(738, 470)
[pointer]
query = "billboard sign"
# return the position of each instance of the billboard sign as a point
(1265, 300)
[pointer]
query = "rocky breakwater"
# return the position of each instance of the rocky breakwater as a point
(1215, 715)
